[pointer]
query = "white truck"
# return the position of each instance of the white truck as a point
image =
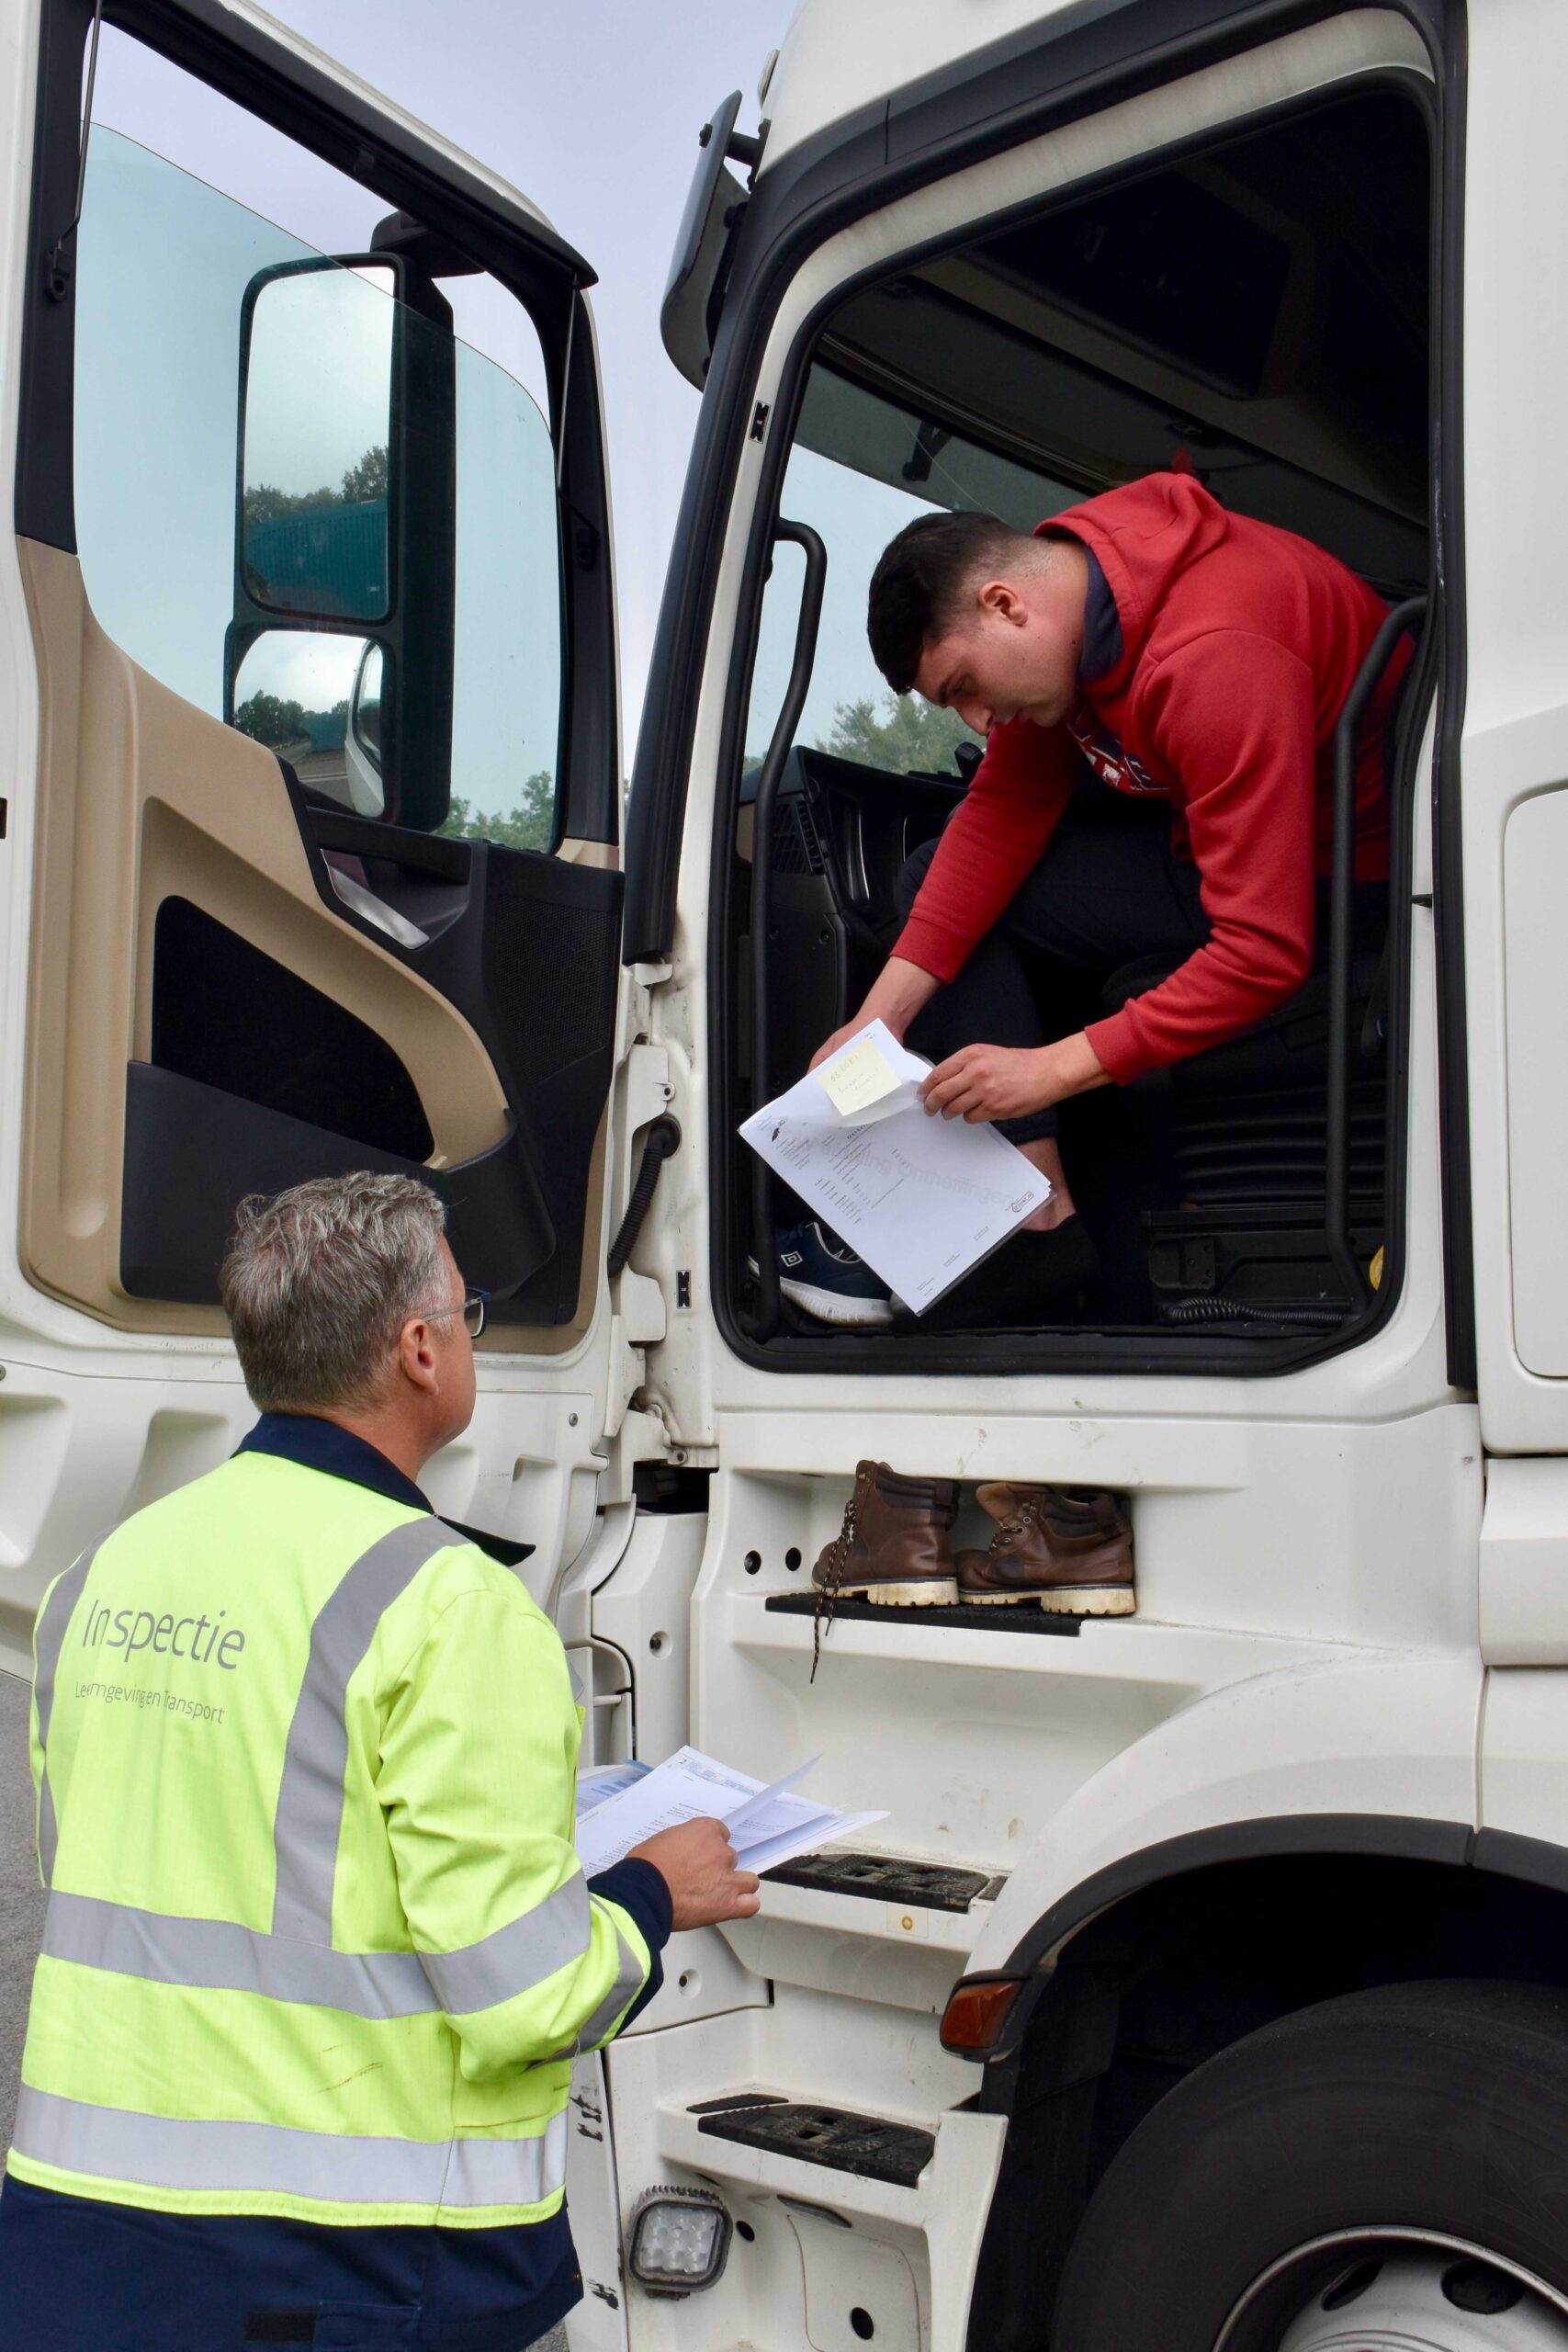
(1206, 1987)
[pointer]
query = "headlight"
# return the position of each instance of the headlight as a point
(680, 2240)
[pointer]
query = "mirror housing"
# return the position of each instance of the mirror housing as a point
(689, 316)
(372, 562)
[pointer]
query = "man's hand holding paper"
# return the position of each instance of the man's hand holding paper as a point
(760, 1826)
(922, 1200)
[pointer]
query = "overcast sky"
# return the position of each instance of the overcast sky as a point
(592, 110)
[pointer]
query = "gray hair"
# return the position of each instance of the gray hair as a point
(320, 1280)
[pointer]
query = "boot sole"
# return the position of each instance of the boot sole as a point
(930, 1593)
(1062, 1600)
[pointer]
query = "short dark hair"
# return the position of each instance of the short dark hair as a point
(918, 584)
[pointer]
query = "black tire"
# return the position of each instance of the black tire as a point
(1441, 2107)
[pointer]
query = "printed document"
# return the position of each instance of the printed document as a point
(766, 1824)
(602, 1782)
(922, 1200)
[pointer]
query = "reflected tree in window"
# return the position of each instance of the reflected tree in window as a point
(530, 825)
(901, 732)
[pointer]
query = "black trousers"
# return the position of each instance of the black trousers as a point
(1108, 890)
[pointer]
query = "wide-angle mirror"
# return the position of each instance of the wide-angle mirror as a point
(315, 699)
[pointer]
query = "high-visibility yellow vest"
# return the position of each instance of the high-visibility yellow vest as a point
(317, 1943)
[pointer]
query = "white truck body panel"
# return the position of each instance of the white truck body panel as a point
(1352, 1573)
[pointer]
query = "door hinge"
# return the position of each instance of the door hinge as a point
(759, 420)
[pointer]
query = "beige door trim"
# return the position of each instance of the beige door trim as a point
(141, 797)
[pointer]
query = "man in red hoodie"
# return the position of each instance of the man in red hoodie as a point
(1175, 653)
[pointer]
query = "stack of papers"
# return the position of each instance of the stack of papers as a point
(767, 1824)
(606, 1781)
(922, 1199)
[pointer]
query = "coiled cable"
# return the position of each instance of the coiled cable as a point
(1215, 1307)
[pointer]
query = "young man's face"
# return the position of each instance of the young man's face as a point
(1014, 652)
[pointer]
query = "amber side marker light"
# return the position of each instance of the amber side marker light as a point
(977, 2013)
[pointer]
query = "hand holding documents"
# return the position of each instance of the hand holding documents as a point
(922, 1200)
(767, 1824)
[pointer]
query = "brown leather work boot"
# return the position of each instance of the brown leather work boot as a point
(1068, 1548)
(893, 1547)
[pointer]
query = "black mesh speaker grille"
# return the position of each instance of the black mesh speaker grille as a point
(550, 975)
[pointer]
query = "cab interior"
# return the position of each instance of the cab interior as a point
(1257, 310)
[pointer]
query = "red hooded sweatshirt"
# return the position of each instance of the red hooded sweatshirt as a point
(1239, 644)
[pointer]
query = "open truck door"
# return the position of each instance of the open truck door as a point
(311, 857)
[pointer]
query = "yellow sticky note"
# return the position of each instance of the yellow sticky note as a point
(859, 1077)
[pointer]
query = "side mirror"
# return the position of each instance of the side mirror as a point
(315, 441)
(344, 524)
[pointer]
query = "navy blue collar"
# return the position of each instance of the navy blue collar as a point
(322, 1445)
(1103, 641)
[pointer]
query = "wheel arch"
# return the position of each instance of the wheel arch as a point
(1443, 1846)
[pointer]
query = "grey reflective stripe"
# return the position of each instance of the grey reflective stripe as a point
(484, 2172)
(49, 1640)
(310, 1795)
(47, 1828)
(629, 1981)
(168, 2152)
(218, 1955)
(516, 1957)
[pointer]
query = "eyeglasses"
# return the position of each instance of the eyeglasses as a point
(471, 1307)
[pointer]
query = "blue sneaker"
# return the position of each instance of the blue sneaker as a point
(820, 1273)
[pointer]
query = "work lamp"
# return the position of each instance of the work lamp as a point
(680, 2240)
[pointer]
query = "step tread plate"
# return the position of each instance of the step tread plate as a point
(886, 1877)
(1023, 1619)
(836, 2139)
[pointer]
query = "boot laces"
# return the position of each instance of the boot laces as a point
(1020, 1523)
(835, 1562)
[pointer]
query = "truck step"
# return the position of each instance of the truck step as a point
(1022, 1620)
(867, 2145)
(886, 1877)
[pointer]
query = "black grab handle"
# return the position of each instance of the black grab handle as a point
(802, 535)
(1341, 926)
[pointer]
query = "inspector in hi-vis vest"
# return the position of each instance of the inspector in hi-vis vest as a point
(317, 1943)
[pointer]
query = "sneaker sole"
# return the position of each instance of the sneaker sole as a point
(1062, 1600)
(930, 1592)
(829, 1307)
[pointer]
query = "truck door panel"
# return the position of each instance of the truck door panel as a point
(149, 803)
(237, 977)
(526, 947)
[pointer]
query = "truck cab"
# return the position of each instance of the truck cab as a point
(1155, 2011)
